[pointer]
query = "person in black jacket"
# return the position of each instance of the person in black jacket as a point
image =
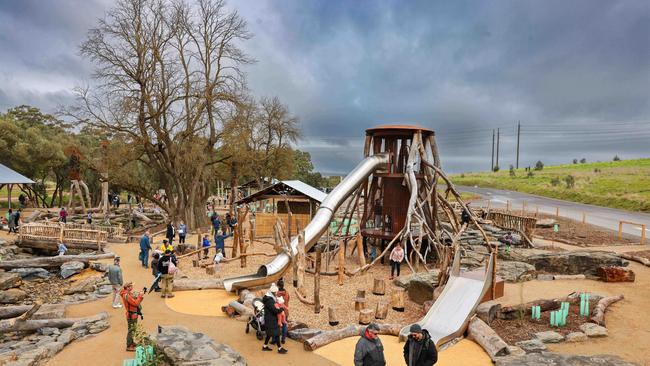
(465, 216)
(271, 320)
(420, 350)
(171, 233)
(167, 277)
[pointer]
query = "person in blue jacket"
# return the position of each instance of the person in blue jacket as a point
(206, 246)
(219, 241)
(145, 247)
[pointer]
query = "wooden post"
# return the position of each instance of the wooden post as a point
(584, 218)
(557, 212)
(379, 287)
(508, 205)
(365, 316)
(642, 234)
(333, 316)
(360, 252)
(209, 270)
(397, 299)
(381, 311)
(341, 263)
(301, 260)
(620, 229)
(317, 280)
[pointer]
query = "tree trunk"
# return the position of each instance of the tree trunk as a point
(330, 336)
(397, 299)
(341, 263)
(234, 180)
(188, 284)
(47, 311)
(317, 280)
(13, 325)
(487, 338)
(49, 262)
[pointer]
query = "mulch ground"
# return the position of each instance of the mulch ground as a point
(576, 233)
(331, 294)
(513, 331)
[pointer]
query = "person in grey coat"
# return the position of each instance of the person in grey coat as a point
(114, 274)
(369, 351)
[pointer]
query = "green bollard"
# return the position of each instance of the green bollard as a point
(552, 318)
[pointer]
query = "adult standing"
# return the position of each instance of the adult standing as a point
(369, 350)
(171, 233)
(145, 246)
(420, 350)
(182, 232)
(114, 274)
(11, 223)
(220, 241)
(132, 305)
(396, 257)
(167, 268)
(216, 222)
(232, 223)
(17, 219)
(271, 320)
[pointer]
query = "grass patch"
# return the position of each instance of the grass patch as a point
(617, 184)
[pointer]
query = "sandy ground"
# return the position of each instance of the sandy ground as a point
(627, 321)
(112, 341)
(465, 352)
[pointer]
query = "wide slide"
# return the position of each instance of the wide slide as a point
(273, 270)
(450, 314)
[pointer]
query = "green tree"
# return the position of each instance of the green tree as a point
(539, 165)
(304, 169)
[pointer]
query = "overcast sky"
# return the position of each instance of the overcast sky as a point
(575, 73)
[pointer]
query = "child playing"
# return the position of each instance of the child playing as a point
(154, 270)
(206, 246)
(62, 249)
(282, 319)
(217, 259)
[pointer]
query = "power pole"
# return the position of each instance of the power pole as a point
(518, 134)
(492, 163)
(498, 134)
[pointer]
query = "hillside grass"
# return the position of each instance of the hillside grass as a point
(617, 184)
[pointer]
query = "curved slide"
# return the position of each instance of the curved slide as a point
(273, 270)
(450, 314)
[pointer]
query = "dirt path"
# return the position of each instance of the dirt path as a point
(107, 348)
(627, 321)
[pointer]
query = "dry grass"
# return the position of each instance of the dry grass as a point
(331, 294)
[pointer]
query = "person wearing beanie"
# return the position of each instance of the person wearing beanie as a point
(271, 313)
(369, 350)
(419, 349)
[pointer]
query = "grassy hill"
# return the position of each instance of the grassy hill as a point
(618, 184)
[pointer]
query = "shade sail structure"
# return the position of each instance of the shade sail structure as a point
(10, 176)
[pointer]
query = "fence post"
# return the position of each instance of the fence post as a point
(584, 218)
(642, 234)
(557, 212)
(620, 229)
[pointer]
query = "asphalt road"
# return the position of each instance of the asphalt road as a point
(601, 216)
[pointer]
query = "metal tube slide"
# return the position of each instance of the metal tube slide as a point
(273, 270)
(450, 314)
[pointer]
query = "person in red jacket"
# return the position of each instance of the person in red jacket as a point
(132, 305)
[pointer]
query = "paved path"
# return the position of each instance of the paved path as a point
(595, 215)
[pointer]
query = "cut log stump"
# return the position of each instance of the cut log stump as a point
(359, 304)
(209, 270)
(397, 299)
(333, 316)
(381, 311)
(379, 287)
(365, 316)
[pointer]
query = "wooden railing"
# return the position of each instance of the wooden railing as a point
(57, 232)
(114, 231)
(523, 224)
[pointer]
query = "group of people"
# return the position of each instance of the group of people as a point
(13, 220)
(419, 349)
(276, 315)
(163, 264)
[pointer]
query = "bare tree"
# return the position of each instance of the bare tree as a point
(167, 76)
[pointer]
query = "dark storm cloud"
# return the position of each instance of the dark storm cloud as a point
(461, 68)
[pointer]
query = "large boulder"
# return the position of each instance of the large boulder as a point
(9, 280)
(419, 286)
(512, 271)
(532, 345)
(12, 296)
(89, 284)
(32, 273)
(593, 330)
(615, 274)
(69, 269)
(578, 262)
(184, 347)
(556, 359)
(549, 336)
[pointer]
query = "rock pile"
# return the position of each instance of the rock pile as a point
(578, 262)
(184, 347)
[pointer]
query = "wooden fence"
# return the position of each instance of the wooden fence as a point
(51, 232)
(523, 224)
(114, 232)
(264, 223)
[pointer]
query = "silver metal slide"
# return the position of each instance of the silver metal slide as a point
(450, 314)
(273, 270)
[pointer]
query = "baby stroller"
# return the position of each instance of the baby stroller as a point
(257, 319)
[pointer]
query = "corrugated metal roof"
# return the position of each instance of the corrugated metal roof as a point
(302, 187)
(9, 176)
(286, 187)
